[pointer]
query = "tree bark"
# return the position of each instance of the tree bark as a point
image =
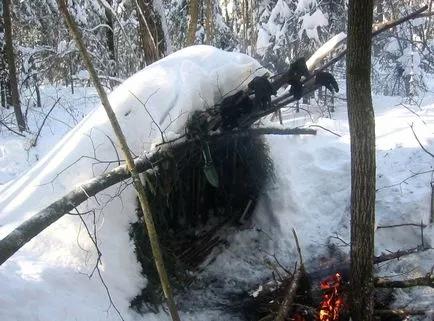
(13, 81)
(110, 40)
(151, 31)
(194, 15)
(362, 131)
(209, 22)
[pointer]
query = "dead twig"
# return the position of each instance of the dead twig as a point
(420, 144)
(8, 128)
(426, 280)
(327, 130)
(94, 240)
(406, 179)
(398, 254)
(399, 312)
(43, 122)
(401, 225)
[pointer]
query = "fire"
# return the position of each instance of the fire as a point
(332, 302)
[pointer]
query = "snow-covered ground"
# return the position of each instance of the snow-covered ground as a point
(48, 278)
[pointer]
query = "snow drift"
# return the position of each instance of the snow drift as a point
(54, 266)
(48, 278)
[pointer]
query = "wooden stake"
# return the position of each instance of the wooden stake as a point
(149, 222)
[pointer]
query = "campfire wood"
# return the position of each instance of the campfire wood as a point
(316, 287)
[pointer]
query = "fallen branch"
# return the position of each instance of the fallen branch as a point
(398, 312)
(401, 225)
(427, 280)
(47, 216)
(398, 254)
(420, 144)
(281, 131)
(327, 130)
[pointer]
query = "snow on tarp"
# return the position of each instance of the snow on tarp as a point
(52, 268)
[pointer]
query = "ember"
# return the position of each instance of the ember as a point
(332, 302)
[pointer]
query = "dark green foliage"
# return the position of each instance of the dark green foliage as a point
(191, 215)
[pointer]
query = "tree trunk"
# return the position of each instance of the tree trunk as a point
(252, 29)
(209, 22)
(244, 25)
(362, 131)
(151, 31)
(194, 15)
(110, 39)
(11, 66)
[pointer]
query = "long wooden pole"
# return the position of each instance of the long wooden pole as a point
(149, 222)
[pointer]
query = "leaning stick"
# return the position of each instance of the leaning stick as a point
(286, 305)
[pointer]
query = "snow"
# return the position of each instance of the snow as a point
(325, 50)
(311, 193)
(410, 61)
(310, 24)
(304, 5)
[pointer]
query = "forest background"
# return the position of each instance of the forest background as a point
(123, 36)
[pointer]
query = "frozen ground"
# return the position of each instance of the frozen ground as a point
(48, 278)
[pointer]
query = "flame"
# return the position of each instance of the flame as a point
(332, 302)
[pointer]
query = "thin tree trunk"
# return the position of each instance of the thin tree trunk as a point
(244, 24)
(110, 39)
(149, 222)
(209, 22)
(11, 66)
(252, 29)
(151, 31)
(362, 131)
(194, 15)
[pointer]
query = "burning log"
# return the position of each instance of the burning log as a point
(332, 303)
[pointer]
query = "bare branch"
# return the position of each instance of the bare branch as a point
(328, 130)
(93, 238)
(386, 26)
(399, 312)
(15, 132)
(420, 144)
(400, 225)
(398, 254)
(406, 179)
(427, 280)
(43, 122)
